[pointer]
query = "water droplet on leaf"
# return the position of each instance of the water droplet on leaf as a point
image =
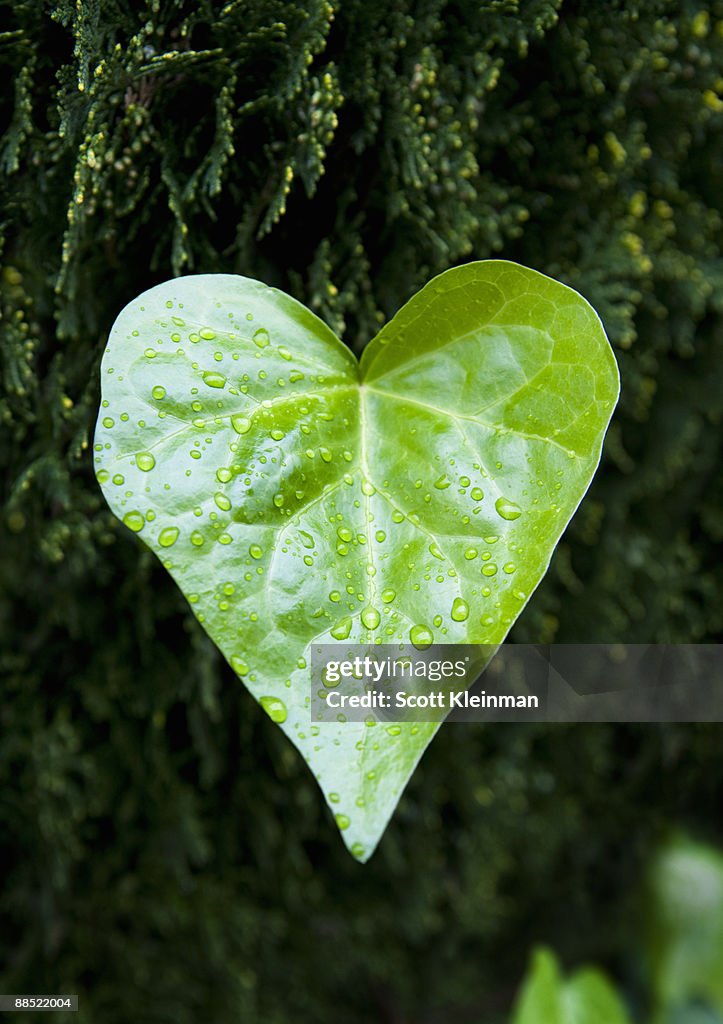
(508, 509)
(240, 424)
(274, 708)
(370, 617)
(421, 637)
(342, 629)
(134, 521)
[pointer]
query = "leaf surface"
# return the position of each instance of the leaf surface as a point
(298, 497)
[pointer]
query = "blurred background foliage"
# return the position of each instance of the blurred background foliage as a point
(167, 855)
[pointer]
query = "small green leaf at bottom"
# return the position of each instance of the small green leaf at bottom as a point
(587, 997)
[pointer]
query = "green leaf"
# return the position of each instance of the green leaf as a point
(586, 998)
(686, 927)
(296, 496)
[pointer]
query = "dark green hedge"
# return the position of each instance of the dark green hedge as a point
(168, 855)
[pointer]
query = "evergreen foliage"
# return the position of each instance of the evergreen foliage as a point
(170, 858)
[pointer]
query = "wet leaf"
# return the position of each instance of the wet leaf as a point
(296, 496)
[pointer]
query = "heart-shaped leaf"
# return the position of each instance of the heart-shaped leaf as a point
(297, 496)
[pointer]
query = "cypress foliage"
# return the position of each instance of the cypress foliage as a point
(170, 857)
